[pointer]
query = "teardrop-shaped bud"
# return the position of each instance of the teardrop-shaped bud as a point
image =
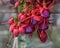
(11, 21)
(17, 4)
(42, 36)
(12, 27)
(21, 30)
(21, 17)
(16, 32)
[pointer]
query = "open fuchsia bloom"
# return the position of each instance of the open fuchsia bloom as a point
(31, 15)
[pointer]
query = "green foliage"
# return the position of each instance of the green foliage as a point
(30, 7)
(20, 8)
(20, 39)
(22, 5)
(16, 19)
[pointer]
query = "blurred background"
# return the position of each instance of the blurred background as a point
(53, 31)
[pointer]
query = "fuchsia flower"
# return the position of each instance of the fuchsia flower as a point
(21, 17)
(11, 21)
(29, 20)
(45, 10)
(45, 14)
(44, 25)
(12, 27)
(16, 32)
(17, 4)
(43, 36)
(38, 18)
(22, 28)
(28, 29)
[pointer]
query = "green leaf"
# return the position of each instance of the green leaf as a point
(30, 7)
(16, 19)
(23, 5)
(21, 40)
(20, 8)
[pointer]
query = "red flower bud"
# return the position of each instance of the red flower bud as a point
(11, 21)
(12, 27)
(21, 17)
(42, 36)
(17, 4)
(16, 32)
(21, 30)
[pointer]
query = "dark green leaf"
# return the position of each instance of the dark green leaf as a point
(30, 7)
(20, 8)
(23, 5)
(16, 19)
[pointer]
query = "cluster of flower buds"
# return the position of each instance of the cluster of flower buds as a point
(32, 15)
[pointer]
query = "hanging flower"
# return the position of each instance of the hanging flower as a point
(30, 17)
